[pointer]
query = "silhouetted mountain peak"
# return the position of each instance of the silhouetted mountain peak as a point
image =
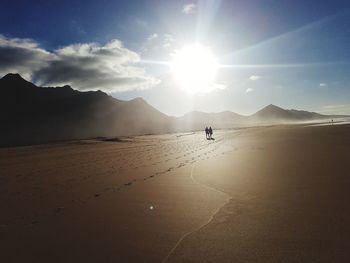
(272, 107)
(271, 112)
(275, 113)
(14, 84)
(139, 99)
(14, 78)
(31, 114)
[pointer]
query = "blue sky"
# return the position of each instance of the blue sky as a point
(295, 54)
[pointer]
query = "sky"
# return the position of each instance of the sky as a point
(294, 54)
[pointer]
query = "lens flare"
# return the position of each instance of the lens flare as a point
(194, 68)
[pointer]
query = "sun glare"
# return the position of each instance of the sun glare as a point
(194, 68)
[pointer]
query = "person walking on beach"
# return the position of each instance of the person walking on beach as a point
(206, 132)
(210, 132)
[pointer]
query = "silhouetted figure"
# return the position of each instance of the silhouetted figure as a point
(210, 133)
(332, 121)
(206, 132)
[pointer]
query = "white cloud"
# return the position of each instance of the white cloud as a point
(249, 90)
(254, 77)
(88, 66)
(323, 85)
(153, 36)
(168, 40)
(189, 8)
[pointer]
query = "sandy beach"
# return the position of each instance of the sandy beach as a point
(268, 194)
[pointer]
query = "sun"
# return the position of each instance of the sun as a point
(194, 68)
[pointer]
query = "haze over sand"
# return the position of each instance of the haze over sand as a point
(34, 115)
(269, 194)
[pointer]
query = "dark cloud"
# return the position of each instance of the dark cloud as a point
(89, 73)
(14, 56)
(21, 55)
(90, 66)
(66, 71)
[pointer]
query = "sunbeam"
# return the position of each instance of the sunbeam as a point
(285, 35)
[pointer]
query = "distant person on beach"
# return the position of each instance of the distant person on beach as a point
(210, 132)
(206, 132)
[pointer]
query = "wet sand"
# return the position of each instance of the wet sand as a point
(269, 194)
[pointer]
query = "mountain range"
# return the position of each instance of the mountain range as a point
(31, 115)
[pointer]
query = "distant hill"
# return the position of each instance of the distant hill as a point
(30, 115)
(274, 113)
(270, 114)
